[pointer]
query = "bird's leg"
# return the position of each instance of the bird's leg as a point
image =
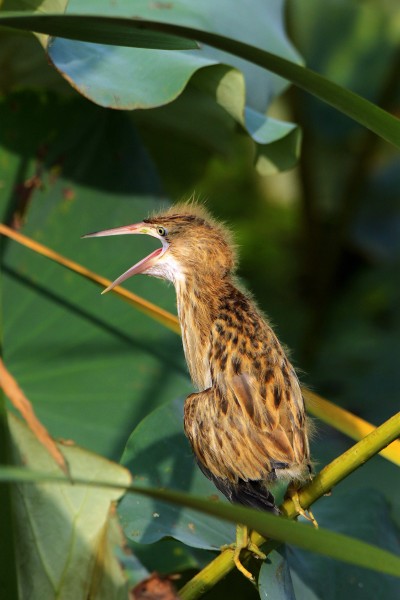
(292, 493)
(243, 542)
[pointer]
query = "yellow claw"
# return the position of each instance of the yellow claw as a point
(292, 493)
(243, 542)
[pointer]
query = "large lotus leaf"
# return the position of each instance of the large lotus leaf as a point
(92, 366)
(39, 6)
(158, 454)
(132, 78)
(262, 27)
(362, 513)
(302, 591)
(182, 144)
(66, 536)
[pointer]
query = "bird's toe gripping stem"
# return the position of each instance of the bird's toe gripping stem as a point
(243, 542)
(292, 493)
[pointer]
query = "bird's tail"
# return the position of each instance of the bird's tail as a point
(253, 494)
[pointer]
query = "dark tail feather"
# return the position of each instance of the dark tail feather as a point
(253, 494)
(247, 493)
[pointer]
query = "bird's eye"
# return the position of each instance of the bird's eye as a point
(161, 231)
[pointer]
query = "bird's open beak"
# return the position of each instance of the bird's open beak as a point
(142, 265)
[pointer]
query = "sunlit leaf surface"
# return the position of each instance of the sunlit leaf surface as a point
(65, 536)
(104, 73)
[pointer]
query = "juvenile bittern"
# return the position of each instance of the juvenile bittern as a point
(246, 423)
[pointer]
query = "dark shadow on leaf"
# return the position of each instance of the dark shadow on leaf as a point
(97, 322)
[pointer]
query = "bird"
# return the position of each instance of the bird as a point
(246, 421)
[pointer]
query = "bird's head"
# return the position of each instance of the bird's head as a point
(192, 245)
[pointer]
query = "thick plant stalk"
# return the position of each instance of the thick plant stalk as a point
(322, 483)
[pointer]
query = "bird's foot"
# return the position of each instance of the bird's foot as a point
(292, 493)
(243, 542)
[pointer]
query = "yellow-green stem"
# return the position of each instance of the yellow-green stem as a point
(322, 483)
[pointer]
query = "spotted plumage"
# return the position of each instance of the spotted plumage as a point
(246, 422)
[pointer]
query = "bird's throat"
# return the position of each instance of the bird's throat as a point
(197, 307)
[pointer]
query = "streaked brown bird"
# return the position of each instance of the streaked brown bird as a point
(246, 423)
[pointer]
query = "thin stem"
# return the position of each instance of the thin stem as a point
(154, 311)
(322, 483)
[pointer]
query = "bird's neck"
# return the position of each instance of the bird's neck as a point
(198, 299)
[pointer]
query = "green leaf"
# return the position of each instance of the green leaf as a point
(183, 146)
(274, 580)
(337, 546)
(158, 454)
(169, 556)
(264, 27)
(134, 569)
(361, 512)
(90, 365)
(302, 591)
(362, 111)
(65, 537)
(105, 74)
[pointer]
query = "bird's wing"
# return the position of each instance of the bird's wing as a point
(221, 440)
(238, 434)
(271, 421)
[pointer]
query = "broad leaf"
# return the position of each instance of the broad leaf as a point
(91, 366)
(356, 107)
(363, 513)
(158, 454)
(105, 73)
(65, 537)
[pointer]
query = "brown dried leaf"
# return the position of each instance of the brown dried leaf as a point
(155, 587)
(22, 404)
